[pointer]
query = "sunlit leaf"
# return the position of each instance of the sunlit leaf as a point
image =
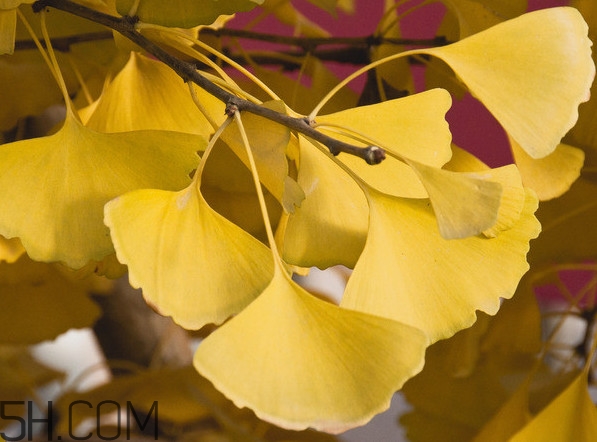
(409, 273)
(550, 176)
(147, 95)
(513, 192)
(54, 188)
(570, 416)
(191, 263)
(464, 204)
(514, 56)
(300, 362)
(330, 227)
(413, 126)
(184, 13)
(43, 303)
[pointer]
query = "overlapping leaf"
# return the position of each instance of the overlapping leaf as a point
(192, 263)
(514, 56)
(434, 283)
(550, 176)
(54, 188)
(570, 416)
(300, 362)
(147, 95)
(330, 227)
(269, 141)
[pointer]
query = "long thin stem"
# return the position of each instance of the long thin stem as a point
(188, 72)
(263, 206)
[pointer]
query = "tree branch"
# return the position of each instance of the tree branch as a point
(187, 71)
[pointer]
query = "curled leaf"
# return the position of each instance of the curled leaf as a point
(531, 72)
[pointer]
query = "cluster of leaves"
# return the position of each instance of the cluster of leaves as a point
(212, 192)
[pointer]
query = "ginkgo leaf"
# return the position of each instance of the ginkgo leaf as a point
(464, 204)
(54, 188)
(184, 13)
(268, 145)
(513, 192)
(10, 249)
(43, 303)
(192, 263)
(413, 126)
(147, 95)
(330, 227)
(506, 68)
(298, 361)
(550, 176)
(409, 273)
(227, 186)
(447, 405)
(571, 416)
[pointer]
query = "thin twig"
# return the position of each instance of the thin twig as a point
(188, 72)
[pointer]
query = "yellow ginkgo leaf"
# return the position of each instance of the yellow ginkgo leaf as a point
(54, 188)
(571, 416)
(464, 204)
(550, 176)
(192, 263)
(513, 192)
(146, 94)
(330, 227)
(227, 186)
(269, 141)
(531, 72)
(10, 249)
(409, 273)
(413, 126)
(298, 361)
(43, 303)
